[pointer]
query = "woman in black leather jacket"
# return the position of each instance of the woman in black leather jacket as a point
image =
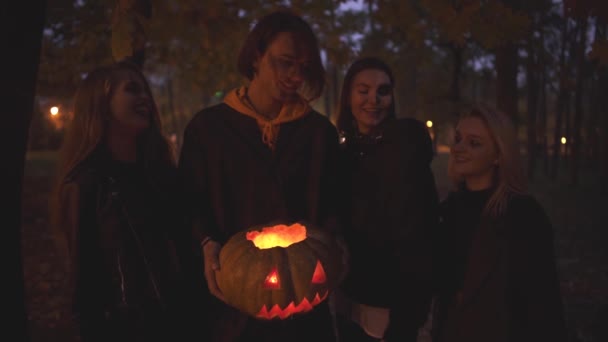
(114, 212)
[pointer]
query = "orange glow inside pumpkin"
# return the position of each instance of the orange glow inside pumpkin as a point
(291, 309)
(318, 277)
(277, 236)
(272, 280)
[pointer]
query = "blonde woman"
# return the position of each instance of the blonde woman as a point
(496, 272)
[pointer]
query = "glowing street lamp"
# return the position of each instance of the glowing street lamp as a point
(429, 123)
(563, 140)
(54, 110)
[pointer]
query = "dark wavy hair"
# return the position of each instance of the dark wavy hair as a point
(344, 121)
(87, 130)
(264, 33)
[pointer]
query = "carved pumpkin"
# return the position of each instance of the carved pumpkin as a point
(279, 270)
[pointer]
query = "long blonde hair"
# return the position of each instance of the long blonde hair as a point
(509, 178)
(87, 129)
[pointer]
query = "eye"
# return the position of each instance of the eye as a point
(384, 90)
(133, 88)
(318, 277)
(272, 281)
(286, 63)
(474, 143)
(362, 90)
(457, 138)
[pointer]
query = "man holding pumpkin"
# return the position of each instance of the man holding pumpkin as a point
(264, 155)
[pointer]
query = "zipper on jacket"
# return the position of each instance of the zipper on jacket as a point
(123, 295)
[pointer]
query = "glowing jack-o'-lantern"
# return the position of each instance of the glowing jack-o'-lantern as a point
(280, 270)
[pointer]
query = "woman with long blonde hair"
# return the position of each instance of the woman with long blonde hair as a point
(496, 273)
(113, 210)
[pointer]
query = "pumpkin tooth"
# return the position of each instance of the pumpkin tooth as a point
(317, 299)
(263, 312)
(276, 311)
(304, 306)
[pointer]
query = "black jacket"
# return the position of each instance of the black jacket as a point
(497, 278)
(390, 211)
(233, 181)
(122, 233)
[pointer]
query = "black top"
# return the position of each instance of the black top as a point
(464, 217)
(496, 277)
(233, 181)
(390, 212)
(121, 232)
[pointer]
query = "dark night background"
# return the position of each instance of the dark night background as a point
(543, 62)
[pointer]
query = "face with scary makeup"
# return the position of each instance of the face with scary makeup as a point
(371, 96)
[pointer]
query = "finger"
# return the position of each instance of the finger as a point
(215, 263)
(212, 285)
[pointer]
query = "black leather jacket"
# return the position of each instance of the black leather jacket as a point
(122, 234)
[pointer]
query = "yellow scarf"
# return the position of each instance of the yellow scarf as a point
(237, 99)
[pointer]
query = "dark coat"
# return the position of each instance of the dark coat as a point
(233, 181)
(505, 287)
(121, 234)
(391, 210)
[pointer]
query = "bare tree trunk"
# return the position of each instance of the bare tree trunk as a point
(562, 99)
(532, 85)
(568, 104)
(601, 33)
(24, 27)
(456, 75)
(542, 122)
(542, 106)
(568, 132)
(578, 101)
(506, 80)
(593, 127)
(333, 96)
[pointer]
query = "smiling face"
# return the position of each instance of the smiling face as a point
(281, 70)
(371, 95)
(474, 155)
(130, 104)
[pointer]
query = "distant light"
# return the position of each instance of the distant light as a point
(563, 140)
(219, 93)
(54, 111)
(429, 123)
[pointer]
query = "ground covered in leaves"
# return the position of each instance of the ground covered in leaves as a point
(579, 215)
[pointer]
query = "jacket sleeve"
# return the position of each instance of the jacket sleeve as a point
(410, 311)
(535, 296)
(78, 227)
(193, 174)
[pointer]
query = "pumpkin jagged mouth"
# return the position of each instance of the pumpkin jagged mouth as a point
(304, 306)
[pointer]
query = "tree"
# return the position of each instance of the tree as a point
(24, 24)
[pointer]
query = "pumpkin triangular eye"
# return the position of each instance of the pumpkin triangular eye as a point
(318, 277)
(272, 281)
